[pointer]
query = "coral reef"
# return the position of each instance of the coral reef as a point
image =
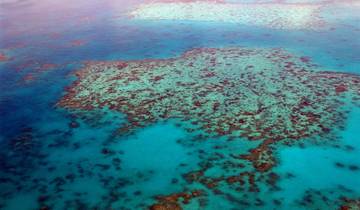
(267, 96)
(3, 57)
(270, 15)
(260, 94)
(350, 204)
(38, 71)
(171, 202)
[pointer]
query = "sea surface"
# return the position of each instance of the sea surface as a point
(57, 156)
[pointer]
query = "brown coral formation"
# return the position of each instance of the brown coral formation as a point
(350, 204)
(261, 158)
(171, 202)
(3, 57)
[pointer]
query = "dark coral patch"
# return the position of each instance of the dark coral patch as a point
(172, 202)
(3, 57)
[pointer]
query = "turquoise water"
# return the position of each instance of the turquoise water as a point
(57, 158)
(326, 169)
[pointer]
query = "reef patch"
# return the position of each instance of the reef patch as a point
(3, 57)
(265, 96)
(270, 15)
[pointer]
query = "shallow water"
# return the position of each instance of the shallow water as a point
(104, 105)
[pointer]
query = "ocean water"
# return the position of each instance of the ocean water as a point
(55, 156)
